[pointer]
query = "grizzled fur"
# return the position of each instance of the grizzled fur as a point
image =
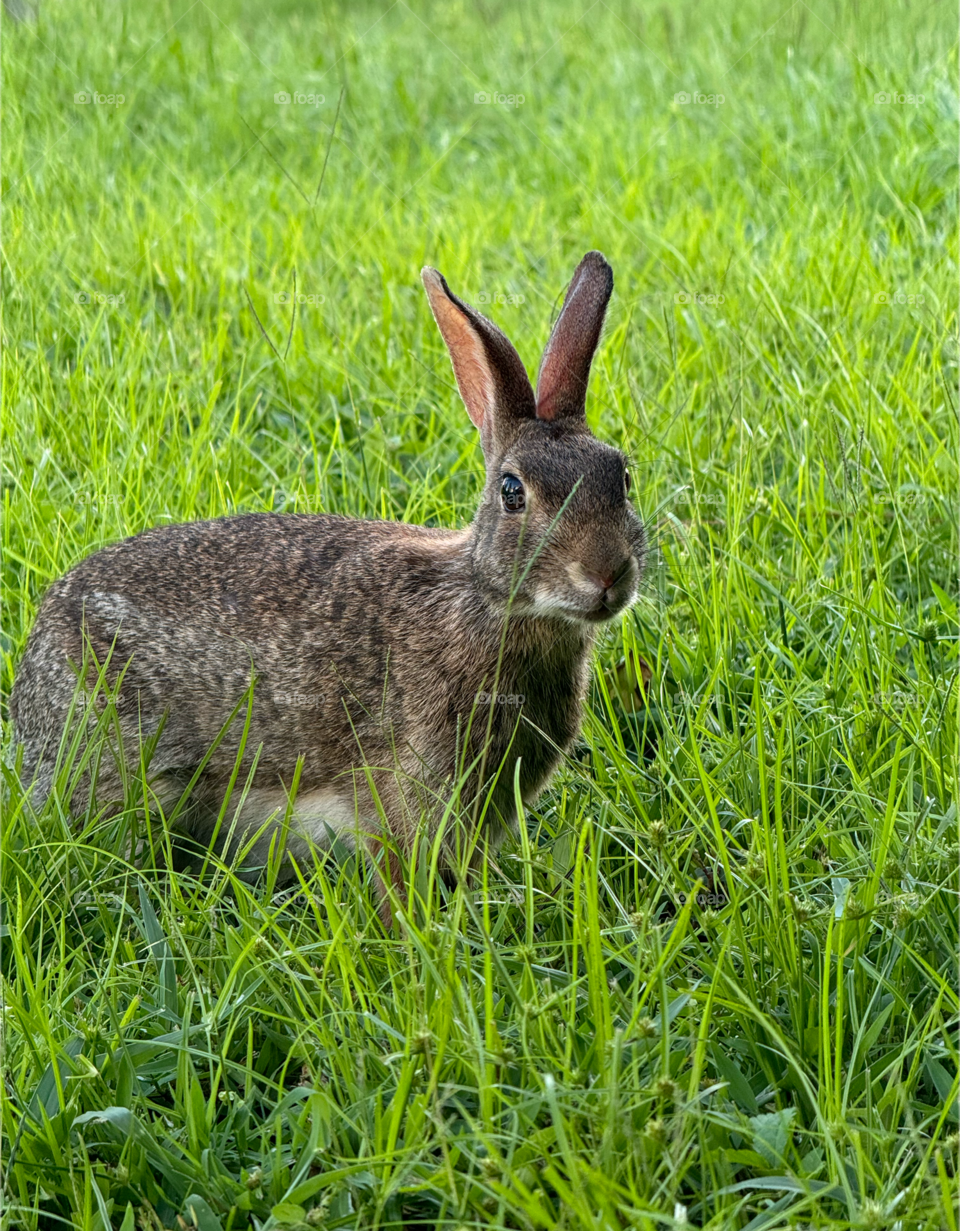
(369, 642)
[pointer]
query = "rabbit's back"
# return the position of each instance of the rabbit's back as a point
(312, 607)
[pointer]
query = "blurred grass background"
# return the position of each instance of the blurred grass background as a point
(576, 1042)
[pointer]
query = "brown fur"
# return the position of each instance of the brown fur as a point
(369, 642)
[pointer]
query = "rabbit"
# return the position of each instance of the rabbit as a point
(398, 661)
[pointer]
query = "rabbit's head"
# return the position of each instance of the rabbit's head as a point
(555, 534)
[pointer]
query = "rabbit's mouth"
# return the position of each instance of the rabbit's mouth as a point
(594, 598)
(574, 609)
(608, 607)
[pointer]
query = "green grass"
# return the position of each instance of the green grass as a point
(573, 1042)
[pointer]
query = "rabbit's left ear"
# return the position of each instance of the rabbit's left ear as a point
(565, 367)
(492, 380)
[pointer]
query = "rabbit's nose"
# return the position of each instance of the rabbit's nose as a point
(608, 577)
(603, 580)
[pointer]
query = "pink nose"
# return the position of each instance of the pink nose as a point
(603, 580)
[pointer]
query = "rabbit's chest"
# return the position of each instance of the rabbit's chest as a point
(537, 715)
(548, 725)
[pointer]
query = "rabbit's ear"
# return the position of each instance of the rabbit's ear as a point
(565, 367)
(490, 374)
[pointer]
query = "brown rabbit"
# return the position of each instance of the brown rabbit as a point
(396, 660)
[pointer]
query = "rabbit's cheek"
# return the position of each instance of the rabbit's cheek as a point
(568, 594)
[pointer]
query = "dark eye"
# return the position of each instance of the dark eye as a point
(626, 481)
(511, 493)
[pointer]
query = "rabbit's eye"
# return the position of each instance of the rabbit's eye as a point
(511, 493)
(626, 481)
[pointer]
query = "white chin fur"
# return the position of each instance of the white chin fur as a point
(548, 605)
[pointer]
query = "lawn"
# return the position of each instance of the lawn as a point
(714, 981)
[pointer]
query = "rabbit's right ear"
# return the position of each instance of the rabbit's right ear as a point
(565, 367)
(490, 374)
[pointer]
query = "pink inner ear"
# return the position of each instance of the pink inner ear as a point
(546, 406)
(565, 367)
(470, 365)
(549, 384)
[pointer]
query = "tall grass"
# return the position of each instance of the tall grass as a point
(715, 979)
